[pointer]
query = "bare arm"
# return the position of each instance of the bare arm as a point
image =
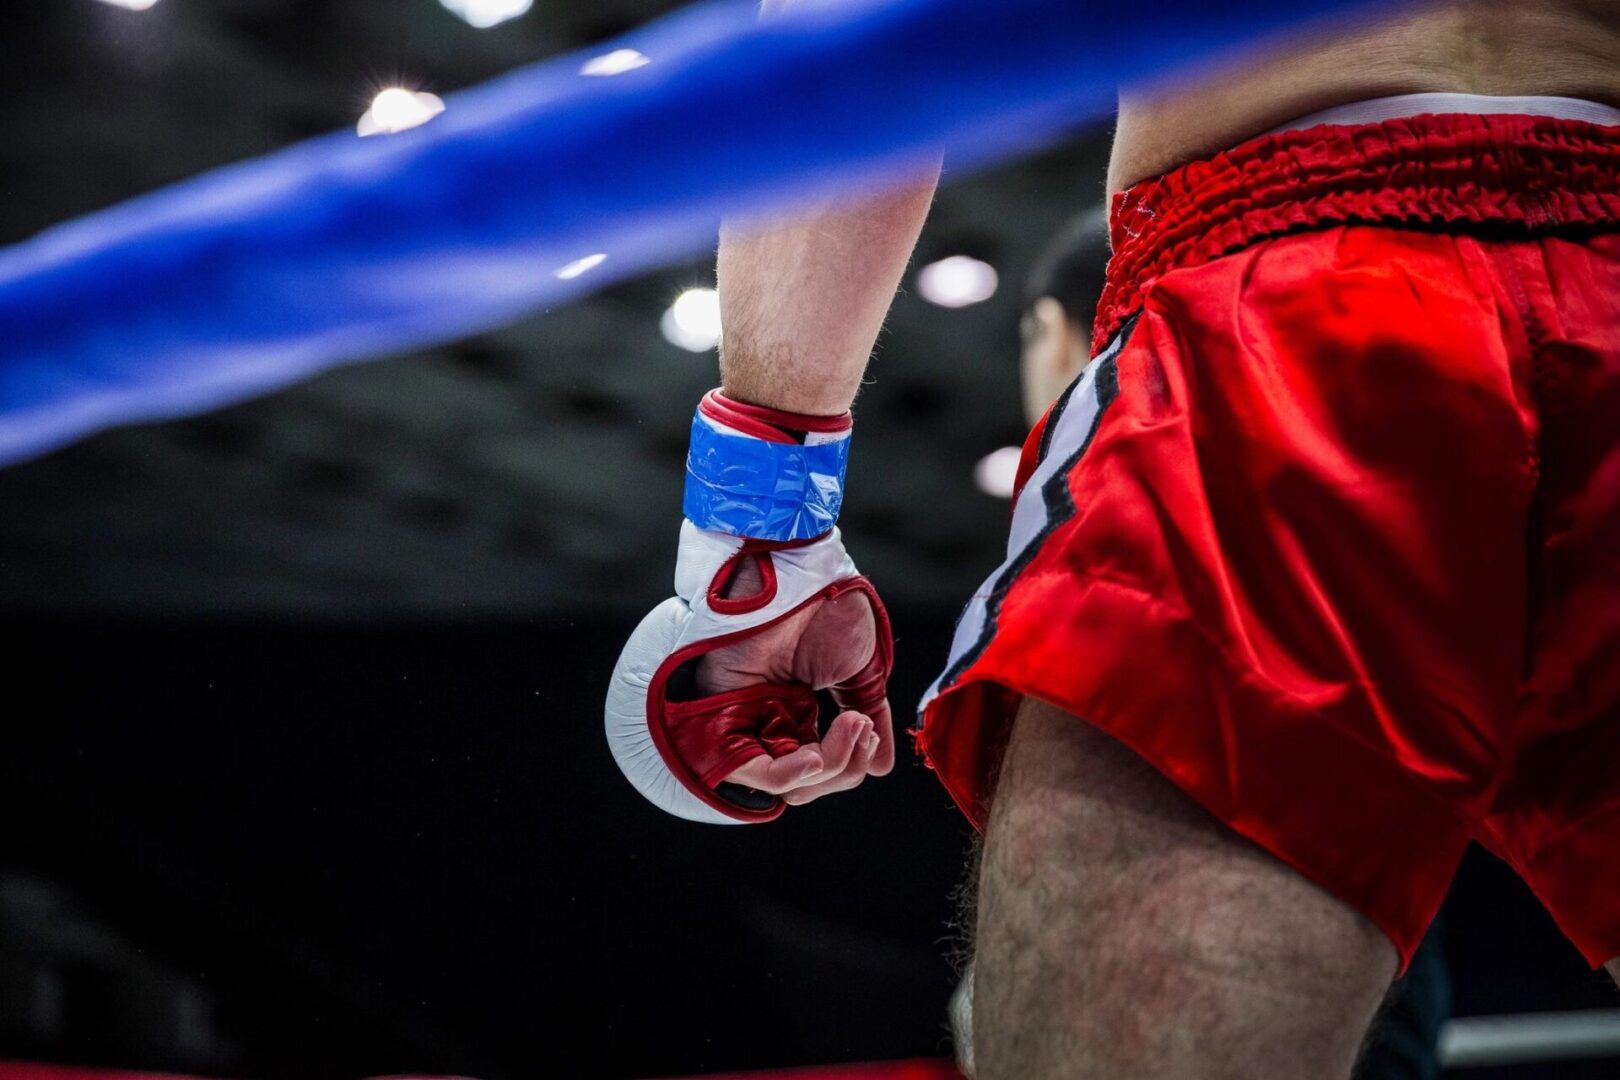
(801, 303)
(802, 300)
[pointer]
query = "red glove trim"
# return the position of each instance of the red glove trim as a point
(869, 687)
(742, 605)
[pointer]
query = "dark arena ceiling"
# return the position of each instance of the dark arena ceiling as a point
(533, 470)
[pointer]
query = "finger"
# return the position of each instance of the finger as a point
(807, 764)
(883, 726)
(776, 775)
(851, 776)
(810, 763)
(841, 742)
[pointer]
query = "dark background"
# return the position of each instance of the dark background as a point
(363, 851)
(301, 771)
(314, 851)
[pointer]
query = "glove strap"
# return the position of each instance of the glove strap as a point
(763, 473)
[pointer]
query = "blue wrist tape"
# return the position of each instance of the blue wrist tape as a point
(747, 486)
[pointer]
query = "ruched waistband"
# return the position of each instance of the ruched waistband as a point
(1465, 171)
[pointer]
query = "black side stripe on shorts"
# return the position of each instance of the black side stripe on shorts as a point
(1069, 433)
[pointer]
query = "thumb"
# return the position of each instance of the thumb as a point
(777, 775)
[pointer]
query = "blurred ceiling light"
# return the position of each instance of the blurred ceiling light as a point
(693, 320)
(997, 470)
(132, 5)
(395, 110)
(579, 266)
(957, 281)
(483, 14)
(616, 62)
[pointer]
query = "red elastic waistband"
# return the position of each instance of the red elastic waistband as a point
(1527, 172)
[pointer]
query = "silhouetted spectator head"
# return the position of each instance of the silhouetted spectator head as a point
(1060, 299)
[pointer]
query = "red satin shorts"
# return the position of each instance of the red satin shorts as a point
(1329, 531)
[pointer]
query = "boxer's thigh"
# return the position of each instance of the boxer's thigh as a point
(1124, 932)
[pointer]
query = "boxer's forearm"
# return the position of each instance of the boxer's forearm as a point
(802, 300)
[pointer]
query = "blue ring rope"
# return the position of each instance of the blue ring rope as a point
(250, 277)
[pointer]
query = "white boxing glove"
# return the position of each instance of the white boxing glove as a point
(677, 747)
(676, 744)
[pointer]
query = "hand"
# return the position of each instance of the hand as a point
(822, 646)
(712, 713)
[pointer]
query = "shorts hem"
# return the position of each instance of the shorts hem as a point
(1352, 806)
(1587, 914)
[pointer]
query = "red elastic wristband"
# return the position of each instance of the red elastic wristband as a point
(770, 424)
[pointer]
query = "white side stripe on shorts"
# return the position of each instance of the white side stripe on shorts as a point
(1068, 433)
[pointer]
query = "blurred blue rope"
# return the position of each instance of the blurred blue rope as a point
(253, 276)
